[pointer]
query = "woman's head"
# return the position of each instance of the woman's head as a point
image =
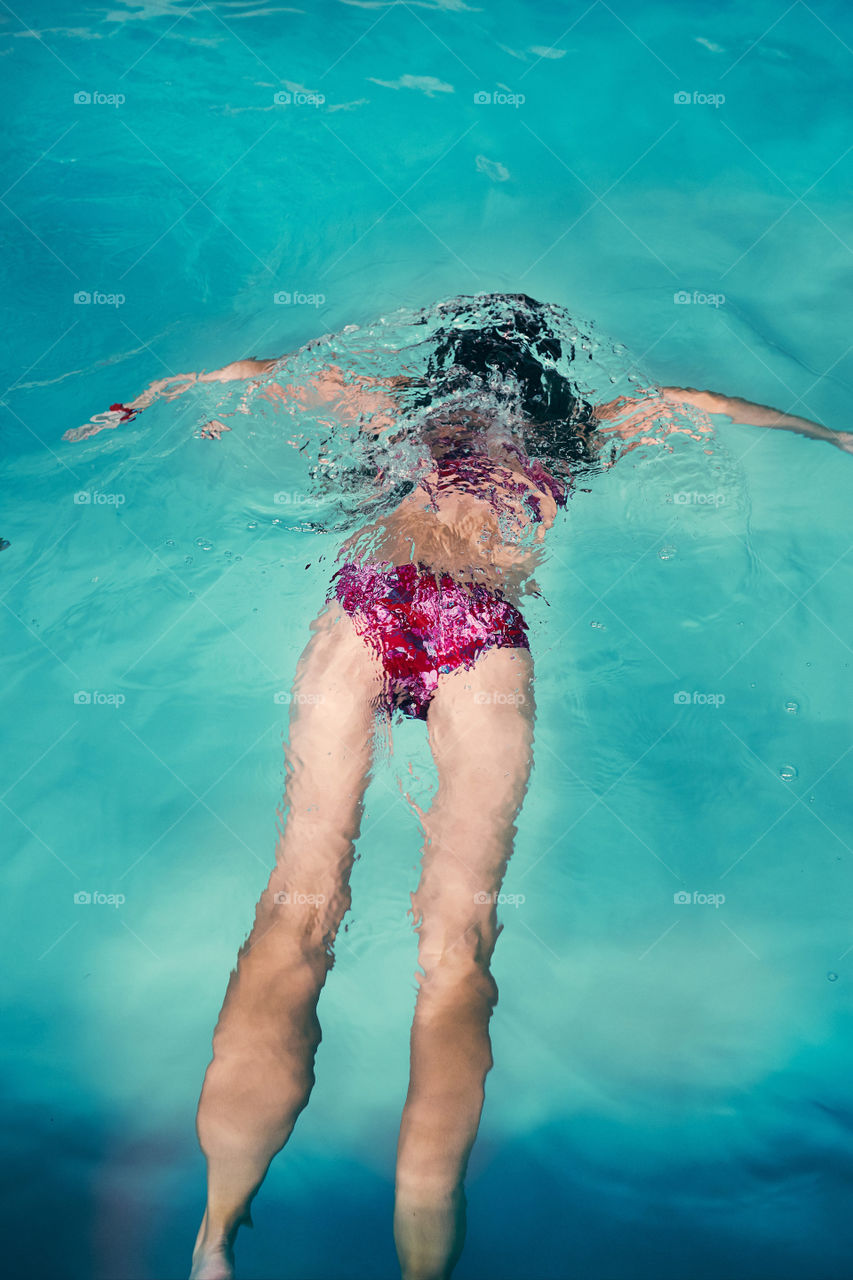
(515, 357)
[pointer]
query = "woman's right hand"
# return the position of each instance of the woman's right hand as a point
(167, 388)
(107, 421)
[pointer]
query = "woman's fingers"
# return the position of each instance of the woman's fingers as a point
(106, 421)
(213, 430)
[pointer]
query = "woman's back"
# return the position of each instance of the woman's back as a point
(479, 513)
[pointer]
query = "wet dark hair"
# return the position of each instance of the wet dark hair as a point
(558, 421)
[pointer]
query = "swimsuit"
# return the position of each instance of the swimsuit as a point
(476, 473)
(422, 625)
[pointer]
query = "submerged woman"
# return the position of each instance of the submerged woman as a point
(423, 618)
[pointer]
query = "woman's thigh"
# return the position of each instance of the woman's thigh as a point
(481, 734)
(328, 753)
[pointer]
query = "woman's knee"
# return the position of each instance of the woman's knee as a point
(307, 908)
(455, 948)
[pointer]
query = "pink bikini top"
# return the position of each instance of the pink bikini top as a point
(481, 476)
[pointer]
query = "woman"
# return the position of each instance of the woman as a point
(422, 618)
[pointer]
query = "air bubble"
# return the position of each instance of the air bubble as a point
(252, 525)
(204, 544)
(666, 553)
(832, 977)
(787, 772)
(600, 626)
(792, 708)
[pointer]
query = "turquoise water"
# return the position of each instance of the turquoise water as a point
(671, 1091)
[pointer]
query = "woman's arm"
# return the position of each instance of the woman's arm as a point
(366, 397)
(757, 415)
(168, 389)
(629, 418)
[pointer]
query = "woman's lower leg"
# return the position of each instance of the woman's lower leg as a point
(262, 1071)
(451, 1056)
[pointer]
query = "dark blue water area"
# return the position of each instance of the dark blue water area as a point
(541, 1207)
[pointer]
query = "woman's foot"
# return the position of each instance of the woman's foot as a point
(213, 1262)
(213, 1255)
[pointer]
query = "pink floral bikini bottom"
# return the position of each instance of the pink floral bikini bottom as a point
(422, 626)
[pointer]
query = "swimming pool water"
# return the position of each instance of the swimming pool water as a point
(671, 1091)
